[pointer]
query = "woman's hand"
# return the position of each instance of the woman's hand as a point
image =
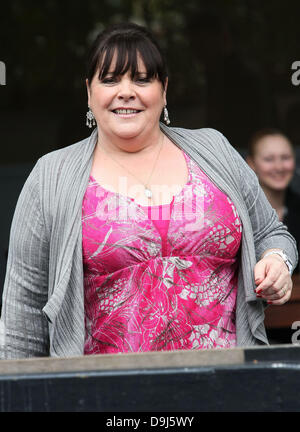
(273, 280)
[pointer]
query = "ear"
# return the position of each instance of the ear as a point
(88, 90)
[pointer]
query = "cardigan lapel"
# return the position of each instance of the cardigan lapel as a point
(66, 202)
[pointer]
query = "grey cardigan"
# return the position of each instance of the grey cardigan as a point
(43, 301)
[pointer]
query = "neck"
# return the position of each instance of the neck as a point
(141, 144)
(276, 199)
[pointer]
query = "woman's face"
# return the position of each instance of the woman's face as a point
(126, 107)
(273, 162)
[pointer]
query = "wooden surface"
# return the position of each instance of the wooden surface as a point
(156, 360)
(283, 316)
(123, 362)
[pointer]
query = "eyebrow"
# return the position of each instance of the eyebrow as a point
(112, 73)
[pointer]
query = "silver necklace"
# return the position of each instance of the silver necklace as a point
(147, 190)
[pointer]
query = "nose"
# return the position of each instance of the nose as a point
(126, 89)
(279, 165)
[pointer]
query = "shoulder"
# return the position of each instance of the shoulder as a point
(203, 134)
(210, 142)
(223, 158)
(65, 161)
(55, 168)
(65, 153)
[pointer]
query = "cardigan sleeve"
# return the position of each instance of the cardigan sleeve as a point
(268, 231)
(24, 328)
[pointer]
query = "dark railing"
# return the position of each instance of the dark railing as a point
(229, 380)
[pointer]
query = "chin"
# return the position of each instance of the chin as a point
(279, 187)
(127, 135)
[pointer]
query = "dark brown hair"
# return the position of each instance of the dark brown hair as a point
(127, 40)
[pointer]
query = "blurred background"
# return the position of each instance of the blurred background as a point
(230, 68)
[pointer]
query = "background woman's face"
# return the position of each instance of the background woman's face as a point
(125, 106)
(273, 162)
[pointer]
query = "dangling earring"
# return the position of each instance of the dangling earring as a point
(166, 116)
(90, 119)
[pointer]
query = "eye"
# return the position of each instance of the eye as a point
(109, 79)
(286, 157)
(142, 79)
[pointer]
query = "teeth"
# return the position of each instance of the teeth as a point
(126, 111)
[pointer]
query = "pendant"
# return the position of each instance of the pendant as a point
(148, 193)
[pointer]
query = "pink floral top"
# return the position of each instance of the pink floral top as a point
(164, 277)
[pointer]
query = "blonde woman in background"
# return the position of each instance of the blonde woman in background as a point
(272, 157)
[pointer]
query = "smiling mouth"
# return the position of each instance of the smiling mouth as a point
(280, 177)
(126, 111)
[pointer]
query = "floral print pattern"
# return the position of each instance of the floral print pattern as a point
(163, 277)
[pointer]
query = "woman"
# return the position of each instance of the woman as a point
(272, 157)
(140, 237)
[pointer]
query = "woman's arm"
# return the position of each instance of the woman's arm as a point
(24, 328)
(273, 278)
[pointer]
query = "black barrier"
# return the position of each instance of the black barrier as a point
(250, 380)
